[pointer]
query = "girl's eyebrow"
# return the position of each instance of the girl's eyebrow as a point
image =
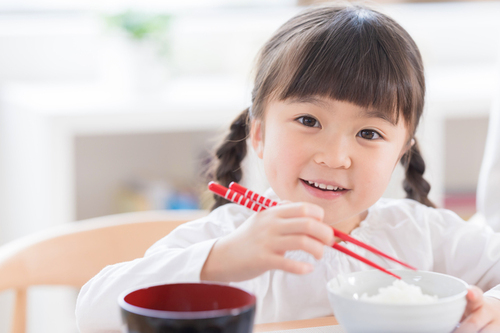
(377, 114)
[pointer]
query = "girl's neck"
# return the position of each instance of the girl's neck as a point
(349, 224)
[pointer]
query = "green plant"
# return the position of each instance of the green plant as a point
(140, 26)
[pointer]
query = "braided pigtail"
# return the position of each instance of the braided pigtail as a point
(229, 155)
(415, 186)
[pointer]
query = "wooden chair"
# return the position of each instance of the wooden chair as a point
(72, 253)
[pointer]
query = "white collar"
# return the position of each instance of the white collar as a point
(269, 193)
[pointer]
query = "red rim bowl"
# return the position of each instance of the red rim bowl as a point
(187, 301)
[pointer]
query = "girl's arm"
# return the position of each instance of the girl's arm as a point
(244, 249)
(177, 257)
(465, 250)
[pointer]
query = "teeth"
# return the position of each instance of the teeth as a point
(325, 187)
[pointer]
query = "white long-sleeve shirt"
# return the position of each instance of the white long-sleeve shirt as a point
(429, 239)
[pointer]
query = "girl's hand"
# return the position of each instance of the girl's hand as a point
(482, 314)
(260, 243)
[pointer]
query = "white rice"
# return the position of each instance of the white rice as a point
(400, 292)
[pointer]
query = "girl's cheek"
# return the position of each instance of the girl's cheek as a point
(382, 177)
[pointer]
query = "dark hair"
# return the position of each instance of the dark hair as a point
(230, 154)
(348, 53)
(416, 187)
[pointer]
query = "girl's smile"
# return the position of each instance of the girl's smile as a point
(335, 154)
(321, 190)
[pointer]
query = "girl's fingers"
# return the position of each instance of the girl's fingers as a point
(298, 209)
(298, 242)
(310, 227)
(474, 300)
(291, 266)
(475, 322)
(475, 315)
(490, 329)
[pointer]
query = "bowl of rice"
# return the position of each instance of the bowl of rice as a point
(375, 302)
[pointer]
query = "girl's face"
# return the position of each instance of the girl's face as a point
(335, 154)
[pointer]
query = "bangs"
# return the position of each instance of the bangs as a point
(354, 56)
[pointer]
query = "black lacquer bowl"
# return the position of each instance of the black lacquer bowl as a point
(188, 308)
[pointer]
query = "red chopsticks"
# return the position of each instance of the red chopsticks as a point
(243, 196)
(252, 195)
(234, 196)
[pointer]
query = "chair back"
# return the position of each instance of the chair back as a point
(72, 253)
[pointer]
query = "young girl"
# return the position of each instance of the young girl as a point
(338, 94)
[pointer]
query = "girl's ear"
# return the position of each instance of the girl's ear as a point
(407, 148)
(257, 138)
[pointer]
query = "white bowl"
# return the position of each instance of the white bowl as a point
(357, 316)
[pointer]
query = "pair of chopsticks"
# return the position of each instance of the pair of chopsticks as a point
(245, 197)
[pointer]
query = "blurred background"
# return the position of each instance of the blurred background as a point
(114, 106)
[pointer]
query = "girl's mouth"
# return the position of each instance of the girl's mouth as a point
(323, 187)
(326, 191)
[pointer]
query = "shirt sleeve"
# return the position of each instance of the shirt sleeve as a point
(465, 250)
(178, 257)
(494, 292)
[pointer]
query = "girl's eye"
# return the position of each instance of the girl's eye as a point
(369, 135)
(308, 121)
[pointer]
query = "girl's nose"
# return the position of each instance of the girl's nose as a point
(334, 154)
